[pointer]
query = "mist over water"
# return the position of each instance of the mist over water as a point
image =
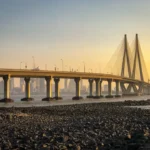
(67, 100)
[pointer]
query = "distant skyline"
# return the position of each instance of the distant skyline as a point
(76, 31)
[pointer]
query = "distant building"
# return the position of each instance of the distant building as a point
(81, 83)
(21, 81)
(33, 85)
(22, 85)
(94, 87)
(1, 87)
(105, 88)
(53, 87)
(37, 84)
(42, 87)
(12, 84)
(65, 83)
(22, 88)
(71, 86)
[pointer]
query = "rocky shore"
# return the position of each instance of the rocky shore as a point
(103, 126)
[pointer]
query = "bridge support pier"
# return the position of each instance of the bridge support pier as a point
(90, 88)
(97, 81)
(138, 91)
(27, 90)
(77, 82)
(128, 91)
(6, 89)
(57, 97)
(117, 89)
(148, 90)
(109, 89)
(101, 89)
(48, 89)
(145, 90)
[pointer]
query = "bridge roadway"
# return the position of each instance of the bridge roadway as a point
(63, 74)
(48, 75)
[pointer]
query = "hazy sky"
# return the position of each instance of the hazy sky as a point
(72, 30)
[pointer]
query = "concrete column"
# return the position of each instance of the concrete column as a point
(97, 81)
(91, 87)
(128, 91)
(48, 87)
(27, 90)
(117, 87)
(100, 88)
(6, 86)
(77, 82)
(27, 87)
(56, 80)
(145, 90)
(109, 87)
(141, 86)
(6, 98)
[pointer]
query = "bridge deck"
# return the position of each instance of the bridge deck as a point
(62, 74)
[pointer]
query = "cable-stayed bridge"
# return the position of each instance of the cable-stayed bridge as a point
(129, 63)
(128, 71)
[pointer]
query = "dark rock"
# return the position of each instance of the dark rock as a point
(90, 96)
(57, 98)
(48, 99)
(109, 96)
(117, 95)
(27, 99)
(77, 98)
(97, 97)
(6, 100)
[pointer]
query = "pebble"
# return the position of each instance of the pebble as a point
(76, 127)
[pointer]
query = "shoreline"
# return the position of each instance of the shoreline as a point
(85, 126)
(71, 102)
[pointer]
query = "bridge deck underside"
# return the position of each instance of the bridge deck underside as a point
(64, 74)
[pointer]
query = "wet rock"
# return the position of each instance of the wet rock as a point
(27, 99)
(85, 126)
(6, 100)
(77, 98)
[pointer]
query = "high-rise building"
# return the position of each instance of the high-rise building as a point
(21, 81)
(81, 81)
(22, 84)
(37, 82)
(42, 87)
(22, 88)
(65, 84)
(33, 85)
(71, 86)
(53, 87)
(93, 86)
(105, 88)
(12, 84)
(1, 87)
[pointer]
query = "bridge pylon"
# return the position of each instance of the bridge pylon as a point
(125, 58)
(138, 71)
(137, 59)
(139, 68)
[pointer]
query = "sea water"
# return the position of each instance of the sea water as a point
(67, 100)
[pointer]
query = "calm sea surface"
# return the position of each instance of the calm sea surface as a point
(67, 100)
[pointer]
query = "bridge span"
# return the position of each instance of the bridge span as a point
(130, 84)
(27, 74)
